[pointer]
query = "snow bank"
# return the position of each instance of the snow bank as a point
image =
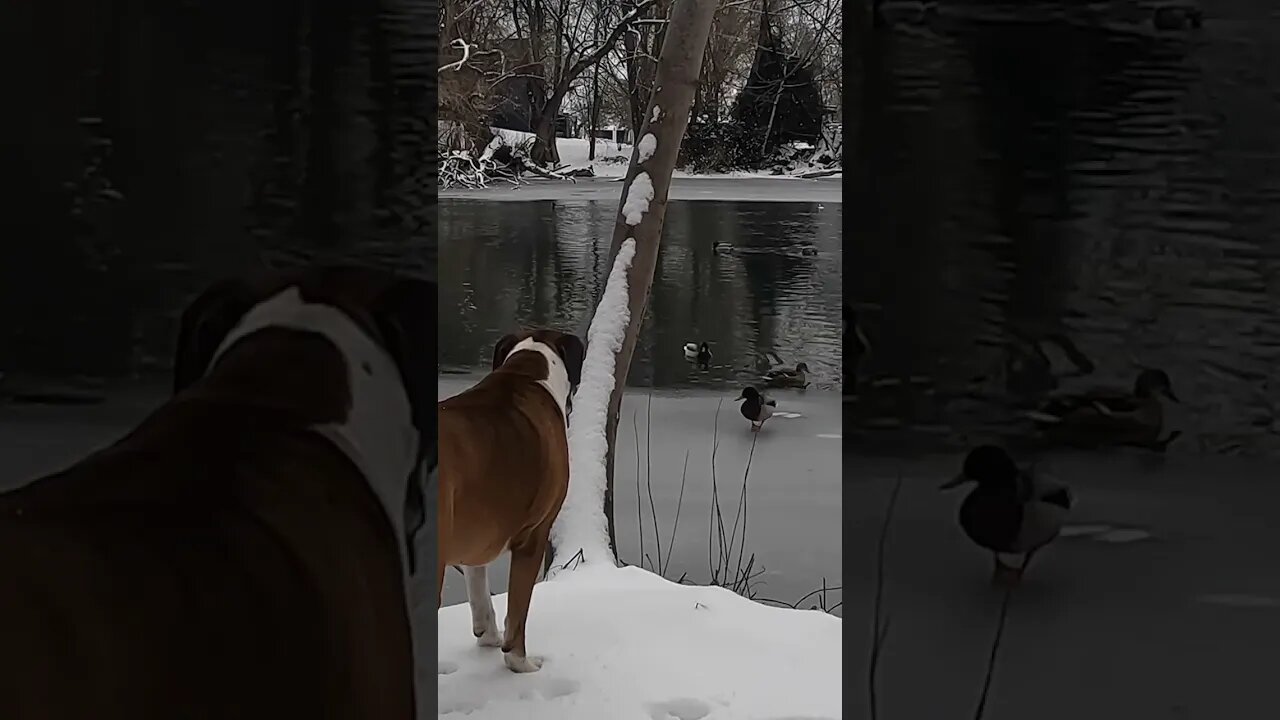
(613, 158)
(624, 643)
(581, 525)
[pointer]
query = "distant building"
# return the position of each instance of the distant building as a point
(613, 133)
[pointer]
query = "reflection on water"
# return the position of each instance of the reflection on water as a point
(157, 149)
(747, 278)
(1116, 187)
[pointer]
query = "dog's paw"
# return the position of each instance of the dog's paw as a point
(489, 638)
(526, 664)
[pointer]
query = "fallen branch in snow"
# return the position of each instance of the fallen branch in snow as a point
(500, 160)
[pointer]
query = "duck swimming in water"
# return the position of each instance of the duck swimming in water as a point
(1011, 512)
(700, 354)
(788, 378)
(757, 407)
(1111, 416)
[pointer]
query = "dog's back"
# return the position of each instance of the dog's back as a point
(192, 565)
(490, 499)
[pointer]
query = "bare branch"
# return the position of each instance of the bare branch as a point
(465, 47)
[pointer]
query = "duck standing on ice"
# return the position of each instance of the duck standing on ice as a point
(757, 407)
(1011, 512)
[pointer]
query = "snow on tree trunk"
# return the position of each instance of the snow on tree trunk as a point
(581, 527)
(636, 235)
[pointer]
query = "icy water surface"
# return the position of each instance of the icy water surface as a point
(1041, 175)
(1036, 173)
(793, 522)
(749, 278)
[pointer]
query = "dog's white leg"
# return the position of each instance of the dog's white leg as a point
(484, 622)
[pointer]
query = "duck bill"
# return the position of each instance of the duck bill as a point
(740, 397)
(956, 481)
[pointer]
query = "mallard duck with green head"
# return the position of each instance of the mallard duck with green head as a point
(797, 378)
(757, 408)
(700, 354)
(1111, 416)
(1012, 512)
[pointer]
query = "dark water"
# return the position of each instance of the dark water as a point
(149, 150)
(774, 288)
(1120, 187)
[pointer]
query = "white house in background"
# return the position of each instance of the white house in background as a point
(614, 133)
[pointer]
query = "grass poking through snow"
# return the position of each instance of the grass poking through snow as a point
(729, 564)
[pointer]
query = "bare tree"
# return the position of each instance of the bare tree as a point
(562, 44)
(644, 196)
(472, 67)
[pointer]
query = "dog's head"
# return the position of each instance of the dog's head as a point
(567, 347)
(397, 313)
(547, 352)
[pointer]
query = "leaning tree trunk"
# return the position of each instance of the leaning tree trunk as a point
(544, 130)
(665, 119)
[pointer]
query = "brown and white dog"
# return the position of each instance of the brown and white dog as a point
(504, 473)
(244, 551)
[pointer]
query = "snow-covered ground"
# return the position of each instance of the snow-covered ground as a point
(610, 166)
(612, 158)
(624, 644)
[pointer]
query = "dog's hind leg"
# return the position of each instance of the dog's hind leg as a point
(526, 563)
(484, 622)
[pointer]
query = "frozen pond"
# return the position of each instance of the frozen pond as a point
(1163, 601)
(793, 498)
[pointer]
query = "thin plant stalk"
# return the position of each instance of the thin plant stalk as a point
(684, 475)
(991, 659)
(880, 628)
(648, 479)
(635, 428)
(741, 512)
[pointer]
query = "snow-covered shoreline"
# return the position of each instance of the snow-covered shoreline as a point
(624, 643)
(707, 187)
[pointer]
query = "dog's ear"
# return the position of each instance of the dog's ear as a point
(503, 349)
(204, 324)
(573, 352)
(405, 315)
